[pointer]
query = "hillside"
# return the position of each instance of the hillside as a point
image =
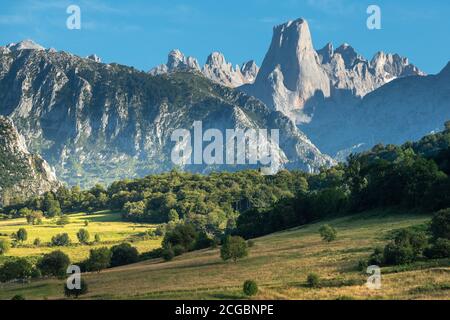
(279, 263)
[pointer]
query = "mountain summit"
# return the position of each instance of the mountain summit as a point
(291, 72)
(295, 78)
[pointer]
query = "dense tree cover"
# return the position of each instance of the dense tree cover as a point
(411, 176)
(123, 254)
(16, 269)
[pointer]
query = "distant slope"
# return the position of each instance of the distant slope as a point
(22, 174)
(279, 263)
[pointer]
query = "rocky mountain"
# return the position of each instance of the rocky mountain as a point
(405, 109)
(98, 122)
(295, 78)
(22, 174)
(291, 72)
(216, 69)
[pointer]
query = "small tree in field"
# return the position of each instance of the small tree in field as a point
(328, 233)
(250, 288)
(233, 248)
(83, 236)
(4, 246)
(22, 235)
(54, 264)
(76, 292)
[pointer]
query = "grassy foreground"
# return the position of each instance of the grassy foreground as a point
(279, 263)
(109, 226)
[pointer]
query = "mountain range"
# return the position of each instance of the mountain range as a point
(98, 122)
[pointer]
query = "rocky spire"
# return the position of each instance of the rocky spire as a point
(176, 61)
(291, 72)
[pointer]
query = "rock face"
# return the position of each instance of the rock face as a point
(291, 73)
(216, 69)
(99, 122)
(405, 109)
(22, 174)
(295, 79)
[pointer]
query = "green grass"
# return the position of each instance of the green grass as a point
(108, 225)
(279, 263)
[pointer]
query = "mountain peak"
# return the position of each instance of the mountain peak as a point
(326, 53)
(25, 45)
(94, 58)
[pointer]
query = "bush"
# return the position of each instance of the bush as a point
(328, 233)
(395, 254)
(37, 242)
(123, 254)
(178, 250)
(18, 297)
(54, 264)
(22, 235)
(183, 235)
(362, 265)
(377, 257)
(83, 236)
(16, 269)
(168, 254)
(406, 247)
(99, 259)
(97, 238)
(4, 246)
(76, 292)
(61, 240)
(440, 224)
(313, 280)
(440, 249)
(233, 248)
(250, 288)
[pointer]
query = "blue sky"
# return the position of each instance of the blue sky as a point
(141, 32)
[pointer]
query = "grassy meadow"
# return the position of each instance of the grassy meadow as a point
(280, 263)
(108, 225)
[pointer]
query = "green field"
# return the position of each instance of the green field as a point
(109, 226)
(279, 263)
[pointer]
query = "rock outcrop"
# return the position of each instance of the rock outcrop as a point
(22, 174)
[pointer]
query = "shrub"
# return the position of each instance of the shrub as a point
(123, 254)
(97, 238)
(76, 292)
(395, 254)
(250, 288)
(86, 223)
(178, 250)
(405, 248)
(183, 235)
(377, 257)
(168, 254)
(83, 236)
(328, 233)
(4, 246)
(16, 269)
(18, 297)
(54, 264)
(440, 249)
(233, 248)
(22, 235)
(440, 224)
(99, 259)
(37, 242)
(61, 240)
(362, 265)
(313, 280)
